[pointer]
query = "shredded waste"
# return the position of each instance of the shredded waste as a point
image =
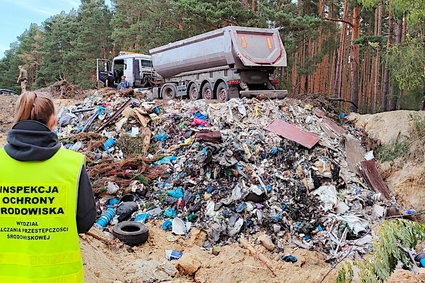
(235, 169)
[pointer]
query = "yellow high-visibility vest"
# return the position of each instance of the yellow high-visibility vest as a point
(38, 229)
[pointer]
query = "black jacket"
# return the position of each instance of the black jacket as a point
(32, 141)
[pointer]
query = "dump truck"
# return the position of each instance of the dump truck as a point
(221, 64)
(225, 63)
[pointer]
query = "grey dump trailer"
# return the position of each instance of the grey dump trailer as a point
(221, 64)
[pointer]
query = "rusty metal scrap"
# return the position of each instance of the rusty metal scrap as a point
(371, 174)
(293, 133)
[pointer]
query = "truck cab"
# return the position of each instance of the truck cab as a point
(136, 67)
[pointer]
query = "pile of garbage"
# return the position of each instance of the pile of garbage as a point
(235, 169)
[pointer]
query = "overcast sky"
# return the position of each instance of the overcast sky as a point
(17, 15)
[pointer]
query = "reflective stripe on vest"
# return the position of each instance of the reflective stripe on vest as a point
(38, 230)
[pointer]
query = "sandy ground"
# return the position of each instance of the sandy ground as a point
(147, 263)
(386, 126)
(115, 262)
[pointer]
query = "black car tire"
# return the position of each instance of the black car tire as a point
(131, 233)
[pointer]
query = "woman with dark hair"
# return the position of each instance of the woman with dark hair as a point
(46, 199)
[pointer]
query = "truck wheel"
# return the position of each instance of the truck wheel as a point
(193, 92)
(168, 91)
(131, 233)
(207, 92)
(222, 92)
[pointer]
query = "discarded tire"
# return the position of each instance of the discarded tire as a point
(131, 233)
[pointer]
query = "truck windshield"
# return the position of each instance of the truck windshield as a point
(147, 63)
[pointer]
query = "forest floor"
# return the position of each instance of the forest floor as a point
(147, 263)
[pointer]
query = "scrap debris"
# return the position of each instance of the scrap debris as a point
(233, 169)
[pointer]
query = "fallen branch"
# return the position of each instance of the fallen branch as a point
(339, 20)
(258, 255)
(344, 100)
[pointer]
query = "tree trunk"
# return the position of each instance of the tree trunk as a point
(341, 55)
(245, 3)
(386, 90)
(398, 35)
(355, 58)
(377, 73)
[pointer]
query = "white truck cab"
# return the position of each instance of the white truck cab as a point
(136, 67)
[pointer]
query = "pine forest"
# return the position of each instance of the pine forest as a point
(368, 52)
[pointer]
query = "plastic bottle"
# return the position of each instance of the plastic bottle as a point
(142, 218)
(108, 144)
(106, 216)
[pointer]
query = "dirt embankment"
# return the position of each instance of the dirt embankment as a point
(405, 176)
(147, 263)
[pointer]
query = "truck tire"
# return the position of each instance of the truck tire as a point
(168, 91)
(131, 233)
(207, 92)
(194, 92)
(222, 92)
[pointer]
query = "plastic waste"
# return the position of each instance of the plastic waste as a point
(171, 213)
(289, 258)
(134, 132)
(200, 122)
(355, 223)
(108, 144)
(241, 207)
(161, 136)
(167, 225)
(167, 159)
(177, 193)
(142, 218)
(155, 212)
(106, 216)
(112, 188)
(236, 227)
(328, 196)
(125, 209)
(192, 217)
(173, 254)
(179, 226)
(113, 201)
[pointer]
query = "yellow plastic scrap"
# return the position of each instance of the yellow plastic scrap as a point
(207, 196)
(308, 106)
(187, 142)
(256, 110)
